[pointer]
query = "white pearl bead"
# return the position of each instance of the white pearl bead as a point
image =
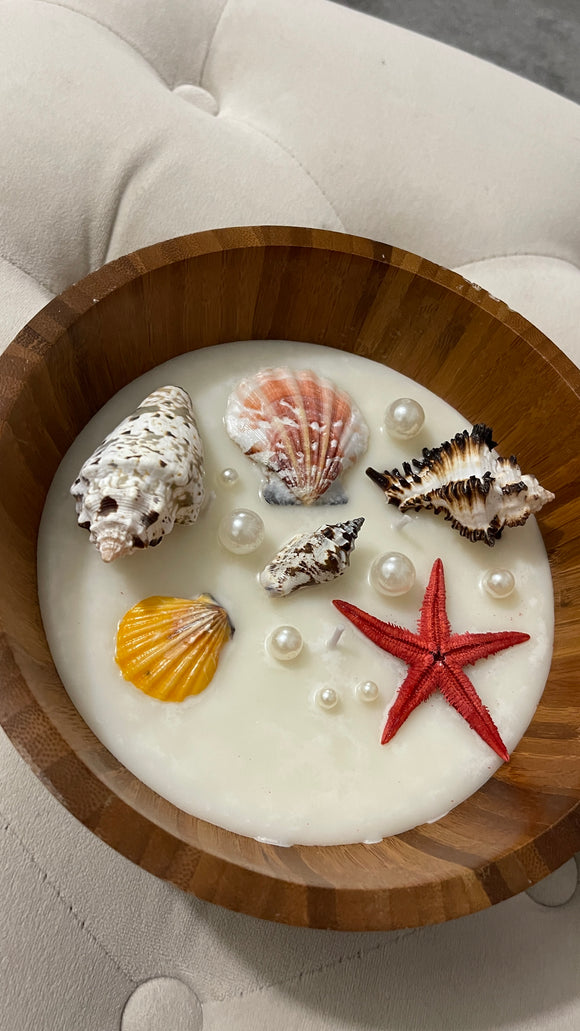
(392, 573)
(367, 691)
(228, 477)
(404, 418)
(326, 698)
(241, 531)
(284, 643)
(498, 582)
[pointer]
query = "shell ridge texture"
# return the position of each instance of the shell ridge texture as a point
(170, 647)
(144, 477)
(479, 492)
(300, 429)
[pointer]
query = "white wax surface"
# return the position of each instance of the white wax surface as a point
(254, 753)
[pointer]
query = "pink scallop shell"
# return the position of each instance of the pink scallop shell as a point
(300, 428)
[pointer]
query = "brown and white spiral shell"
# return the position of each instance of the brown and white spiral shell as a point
(311, 558)
(144, 477)
(467, 480)
(302, 430)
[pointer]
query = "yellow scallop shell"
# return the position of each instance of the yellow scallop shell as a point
(169, 647)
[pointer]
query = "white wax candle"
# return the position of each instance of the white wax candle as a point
(256, 752)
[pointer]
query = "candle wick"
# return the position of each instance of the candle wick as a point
(401, 522)
(339, 631)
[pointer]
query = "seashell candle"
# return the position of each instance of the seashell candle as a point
(144, 477)
(256, 752)
(479, 492)
(301, 430)
(311, 558)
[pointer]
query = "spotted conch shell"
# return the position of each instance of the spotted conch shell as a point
(479, 492)
(169, 647)
(311, 558)
(301, 429)
(144, 477)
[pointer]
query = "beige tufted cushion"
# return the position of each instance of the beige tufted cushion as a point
(123, 122)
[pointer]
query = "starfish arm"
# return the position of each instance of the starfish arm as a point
(417, 686)
(466, 649)
(457, 689)
(433, 622)
(436, 658)
(391, 638)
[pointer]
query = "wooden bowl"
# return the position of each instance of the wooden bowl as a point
(395, 308)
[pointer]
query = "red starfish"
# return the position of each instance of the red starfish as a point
(436, 658)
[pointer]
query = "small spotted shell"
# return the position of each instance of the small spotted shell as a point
(169, 647)
(300, 429)
(479, 492)
(311, 558)
(146, 476)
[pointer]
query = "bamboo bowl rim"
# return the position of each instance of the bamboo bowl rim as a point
(525, 821)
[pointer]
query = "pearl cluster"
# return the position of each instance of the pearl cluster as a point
(285, 643)
(327, 698)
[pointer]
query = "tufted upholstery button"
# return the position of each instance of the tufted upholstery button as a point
(161, 1004)
(197, 96)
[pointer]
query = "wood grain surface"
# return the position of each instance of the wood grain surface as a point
(385, 304)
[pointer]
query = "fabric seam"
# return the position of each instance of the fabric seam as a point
(295, 979)
(45, 879)
(286, 150)
(211, 42)
(129, 43)
(35, 279)
(136, 170)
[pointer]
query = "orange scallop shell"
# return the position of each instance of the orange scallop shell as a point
(170, 647)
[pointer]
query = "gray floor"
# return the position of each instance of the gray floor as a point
(539, 40)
